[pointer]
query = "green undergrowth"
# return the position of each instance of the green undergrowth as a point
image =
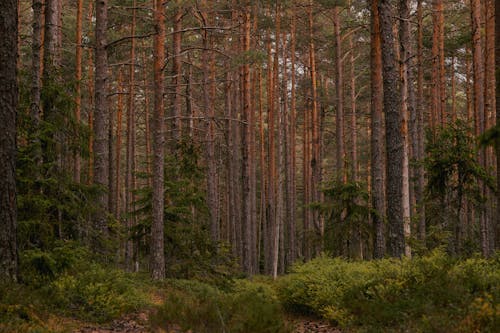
(242, 307)
(66, 282)
(429, 294)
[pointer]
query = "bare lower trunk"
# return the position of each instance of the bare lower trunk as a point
(101, 116)
(8, 123)
(157, 227)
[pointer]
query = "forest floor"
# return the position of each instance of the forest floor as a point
(138, 323)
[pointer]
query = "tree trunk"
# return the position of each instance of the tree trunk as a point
(157, 227)
(249, 195)
(292, 247)
(278, 192)
(131, 144)
(118, 149)
(339, 86)
(407, 107)
(8, 123)
(479, 104)
(394, 137)
(497, 107)
(177, 73)
(101, 116)
(377, 135)
(36, 79)
(420, 153)
(78, 79)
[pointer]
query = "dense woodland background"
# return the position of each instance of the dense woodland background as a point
(191, 136)
(249, 166)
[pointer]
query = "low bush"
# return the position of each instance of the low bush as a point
(247, 307)
(428, 294)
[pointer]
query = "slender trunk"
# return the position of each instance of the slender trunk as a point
(339, 86)
(101, 116)
(271, 218)
(177, 73)
(78, 79)
(8, 123)
(36, 82)
(248, 157)
(420, 153)
(147, 121)
(292, 247)
(377, 135)
(119, 114)
(394, 137)
(91, 94)
(497, 110)
(315, 133)
(157, 227)
(407, 107)
(131, 144)
(278, 193)
(479, 103)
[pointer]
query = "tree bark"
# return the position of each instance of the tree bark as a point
(377, 135)
(157, 227)
(78, 85)
(101, 116)
(394, 137)
(420, 153)
(339, 86)
(130, 181)
(497, 107)
(292, 189)
(8, 146)
(177, 73)
(479, 104)
(408, 106)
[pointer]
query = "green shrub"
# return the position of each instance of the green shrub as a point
(97, 294)
(427, 294)
(248, 307)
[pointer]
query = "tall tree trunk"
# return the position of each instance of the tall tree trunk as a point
(249, 194)
(36, 78)
(208, 68)
(292, 246)
(118, 148)
(479, 103)
(271, 168)
(91, 96)
(315, 134)
(278, 217)
(437, 112)
(339, 86)
(101, 116)
(393, 135)
(177, 72)
(377, 135)
(489, 98)
(419, 153)
(407, 107)
(497, 107)
(78, 79)
(8, 146)
(157, 227)
(131, 144)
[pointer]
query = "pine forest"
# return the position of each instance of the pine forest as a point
(267, 166)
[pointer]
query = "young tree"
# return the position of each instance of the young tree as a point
(8, 123)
